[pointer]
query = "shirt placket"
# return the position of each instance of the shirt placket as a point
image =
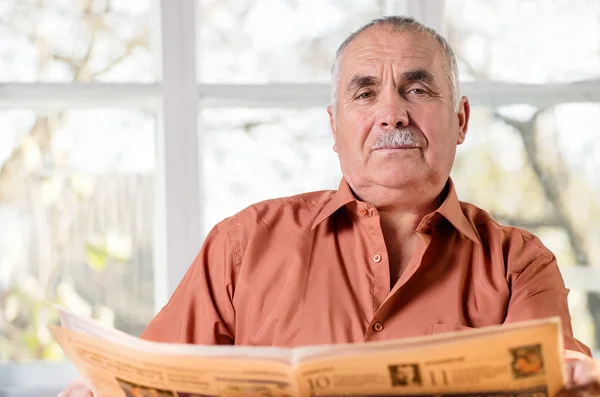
(376, 258)
(377, 325)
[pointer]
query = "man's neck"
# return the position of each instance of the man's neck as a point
(401, 209)
(400, 213)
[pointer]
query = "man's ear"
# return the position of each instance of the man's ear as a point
(464, 112)
(332, 126)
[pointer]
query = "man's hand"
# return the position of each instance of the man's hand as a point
(78, 388)
(583, 377)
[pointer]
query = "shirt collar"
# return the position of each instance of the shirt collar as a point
(450, 209)
(341, 197)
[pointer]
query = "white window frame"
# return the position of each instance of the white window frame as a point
(177, 100)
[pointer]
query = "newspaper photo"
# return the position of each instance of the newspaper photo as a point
(517, 360)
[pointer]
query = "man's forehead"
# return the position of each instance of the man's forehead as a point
(378, 46)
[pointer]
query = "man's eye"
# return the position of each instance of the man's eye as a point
(364, 95)
(418, 91)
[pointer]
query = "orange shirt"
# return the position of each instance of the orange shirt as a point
(313, 268)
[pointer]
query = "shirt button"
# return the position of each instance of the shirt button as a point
(377, 258)
(378, 327)
(363, 211)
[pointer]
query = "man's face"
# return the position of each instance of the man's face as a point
(389, 81)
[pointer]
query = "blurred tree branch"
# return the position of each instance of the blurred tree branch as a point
(549, 181)
(14, 168)
(140, 40)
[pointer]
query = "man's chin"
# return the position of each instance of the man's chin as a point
(406, 179)
(397, 181)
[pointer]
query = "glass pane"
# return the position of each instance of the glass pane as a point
(532, 41)
(261, 41)
(252, 155)
(537, 169)
(76, 222)
(74, 40)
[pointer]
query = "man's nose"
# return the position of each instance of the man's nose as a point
(393, 112)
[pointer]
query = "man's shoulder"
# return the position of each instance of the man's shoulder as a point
(496, 231)
(294, 211)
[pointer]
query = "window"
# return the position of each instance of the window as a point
(77, 185)
(531, 41)
(102, 182)
(254, 154)
(67, 41)
(77, 211)
(238, 44)
(87, 204)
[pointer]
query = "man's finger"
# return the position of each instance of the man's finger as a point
(582, 372)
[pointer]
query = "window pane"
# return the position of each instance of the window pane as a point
(257, 154)
(260, 41)
(538, 169)
(533, 41)
(76, 222)
(73, 40)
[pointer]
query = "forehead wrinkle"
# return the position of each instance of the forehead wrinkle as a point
(384, 44)
(373, 51)
(405, 68)
(371, 55)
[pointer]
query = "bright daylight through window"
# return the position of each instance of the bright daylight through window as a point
(76, 184)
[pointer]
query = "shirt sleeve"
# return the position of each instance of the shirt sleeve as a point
(200, 311)
(537, 288)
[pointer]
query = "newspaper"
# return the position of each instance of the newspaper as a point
(518, 360)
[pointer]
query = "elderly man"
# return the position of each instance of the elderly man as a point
(392, 253)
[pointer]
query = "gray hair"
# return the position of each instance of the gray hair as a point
(400, 24)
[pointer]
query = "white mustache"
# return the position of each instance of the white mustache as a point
(395, 138)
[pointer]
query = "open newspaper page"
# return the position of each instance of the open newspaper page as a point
(117, 364)
(520, 360)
